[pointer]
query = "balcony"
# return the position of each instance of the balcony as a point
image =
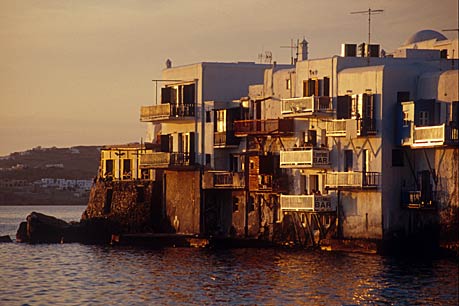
(351, 127)
(167, 111)
(431, 136)
(336, 128)
(223, 180)
(267, 183)
(225, 140)
(164, 160)
(305, 158)
(307, 203)
(263, 127)
(417, 200)
(352, 179)
(307, 106)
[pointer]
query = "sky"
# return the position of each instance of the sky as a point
(75, 72)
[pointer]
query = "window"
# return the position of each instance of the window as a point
(208, 117)
(348, 161)
(423, 118)
(221, 120)
(108, 167)
(406, 119)
(126, 168)
(397, 158)
(288, 84)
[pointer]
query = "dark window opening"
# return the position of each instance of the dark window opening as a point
(251, 204)
(326, 91)
(140, 192)
(348, 161)
(108, 201)
(126, 168)
(344, 107)
(397, 158)
(208, 117)
(109, 167)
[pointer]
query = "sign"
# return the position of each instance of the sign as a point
(320, 157)
(322, 203)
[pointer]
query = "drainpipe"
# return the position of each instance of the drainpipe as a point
(247, 188)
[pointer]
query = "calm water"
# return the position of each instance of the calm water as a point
(75, 274)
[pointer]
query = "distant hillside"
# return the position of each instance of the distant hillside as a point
(79, 162)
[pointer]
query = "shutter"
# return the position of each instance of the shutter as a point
(189, 94)
(165, 143)
(326, 87)
(166, 94)
(343, 107)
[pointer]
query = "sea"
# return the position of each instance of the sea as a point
(78, 274)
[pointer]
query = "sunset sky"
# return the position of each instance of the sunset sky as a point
(77, 72)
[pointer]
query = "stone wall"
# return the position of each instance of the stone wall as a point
(128, 202)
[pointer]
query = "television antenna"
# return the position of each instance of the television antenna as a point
(369, 12)
(292, 47)
(265, 57)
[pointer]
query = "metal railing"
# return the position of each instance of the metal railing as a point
(298, 106)
(417, 199)
(166, 110)
(268, 126)
(228, 180)
(307, 203)
(352, 179)
(223, 139)
(164, 159)
(304, 157)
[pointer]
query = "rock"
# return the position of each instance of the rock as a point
(5, 238)
(21, 234)
(41, 228)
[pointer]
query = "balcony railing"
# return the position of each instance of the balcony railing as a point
(223, 180)
(336, 128)
(417, 199)
(305, 158)
(225, 139)
(352, 179)
(166, 111)
(307, 203)
(164, 159)
(307, 106)
(263, 127)
(437, 135)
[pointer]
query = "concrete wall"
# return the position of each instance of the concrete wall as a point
(362, 214)
(182, 201)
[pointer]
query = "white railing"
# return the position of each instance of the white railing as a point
(304, 157)
(307, 203)
(429, 135)
(352, 179)
(297, 106)
(155, 159)
(336, 127)
(152, 112)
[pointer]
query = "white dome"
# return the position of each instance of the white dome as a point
(423, 36)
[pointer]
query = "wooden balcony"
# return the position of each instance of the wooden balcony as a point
(223, 180)
(318, 158)
(352, 179)
(267, 183)
(167, 111)
(263, 127)
(307, 106)
(225, 140)
(164, 160)
(307, 203)
(431, 136)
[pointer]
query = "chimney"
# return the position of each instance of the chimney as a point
(303, 50)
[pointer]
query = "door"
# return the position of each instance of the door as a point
(348, 160)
